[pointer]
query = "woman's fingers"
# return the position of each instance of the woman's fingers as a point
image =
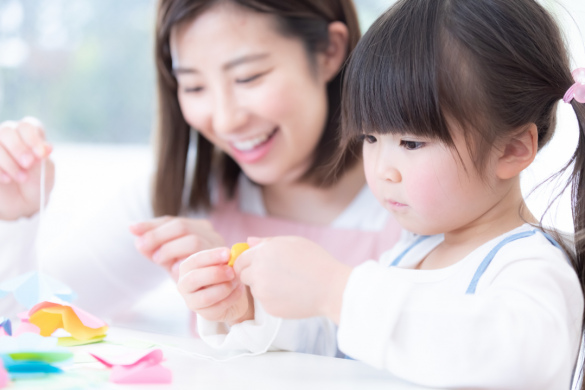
(140, 228)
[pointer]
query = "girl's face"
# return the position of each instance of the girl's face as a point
(250, 91)
(429, 187)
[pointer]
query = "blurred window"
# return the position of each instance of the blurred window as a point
(86, 68)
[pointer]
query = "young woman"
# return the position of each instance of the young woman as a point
(257, 84)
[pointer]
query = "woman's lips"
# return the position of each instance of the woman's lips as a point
(255, 153)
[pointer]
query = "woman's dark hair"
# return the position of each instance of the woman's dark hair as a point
(491, 67)
(306, 20)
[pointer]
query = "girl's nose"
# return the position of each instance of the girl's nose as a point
(388, 172)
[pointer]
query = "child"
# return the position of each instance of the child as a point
(453, 99)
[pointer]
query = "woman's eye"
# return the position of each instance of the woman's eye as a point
(252, 78)
(411, 145)
(193, 89)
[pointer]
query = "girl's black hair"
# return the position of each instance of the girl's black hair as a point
(491, 67)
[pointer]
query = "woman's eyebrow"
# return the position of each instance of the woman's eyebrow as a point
(229, 65)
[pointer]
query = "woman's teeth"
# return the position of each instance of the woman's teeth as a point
(250, 144)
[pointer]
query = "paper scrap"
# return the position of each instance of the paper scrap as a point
(4, 378)
(73, 342)
(33, 287)
(5, 327)
(50, 316)
(146, 369)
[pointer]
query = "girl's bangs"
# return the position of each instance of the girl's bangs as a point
(392, 80)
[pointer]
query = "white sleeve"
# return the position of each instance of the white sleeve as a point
(97, 258)
(521, 332)
(17, 254)
(265, 332)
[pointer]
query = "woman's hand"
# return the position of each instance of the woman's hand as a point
(169, 240)
(293, 277)
(22, 148)
(212, 290)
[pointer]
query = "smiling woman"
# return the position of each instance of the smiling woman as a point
(254, 87)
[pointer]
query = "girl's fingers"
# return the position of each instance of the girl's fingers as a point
(211, 296)
(206, 258)
(10, 167)
(202, 278)
(140, 228)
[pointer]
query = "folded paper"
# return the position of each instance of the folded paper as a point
(50, 316)
(34, 287)
(5, 327)
(146, 369)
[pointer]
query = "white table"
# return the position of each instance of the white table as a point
(270, 371)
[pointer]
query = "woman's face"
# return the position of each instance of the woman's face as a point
(251, 91)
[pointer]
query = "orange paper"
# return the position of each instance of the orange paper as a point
(49, 317)
(236, 251)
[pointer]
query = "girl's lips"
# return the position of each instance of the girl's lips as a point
(395, 205)
(255, 154)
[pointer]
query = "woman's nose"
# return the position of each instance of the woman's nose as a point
(227, 115)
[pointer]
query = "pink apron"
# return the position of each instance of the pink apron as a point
(350, 246)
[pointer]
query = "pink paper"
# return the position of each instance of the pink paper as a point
(153, 357)
(27, 327)
(141, 373)
(4, 378)
(146, 369)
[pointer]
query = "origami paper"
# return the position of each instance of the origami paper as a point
(5, 327)
(50, 316)
(34, 287)
(147, 369)
(26, 327)
(73, 342)
(31, 355)
(4, 378)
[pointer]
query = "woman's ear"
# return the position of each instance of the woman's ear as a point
(518, 153)
(336, 52)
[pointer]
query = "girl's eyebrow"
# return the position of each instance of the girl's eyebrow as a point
(227, 66)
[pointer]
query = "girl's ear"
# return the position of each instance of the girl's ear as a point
(518, 153)
(336, 52)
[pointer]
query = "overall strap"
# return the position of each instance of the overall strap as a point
(405, 252)
(490, 256)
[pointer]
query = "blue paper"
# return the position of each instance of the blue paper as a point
(33, 287)
(6, 325)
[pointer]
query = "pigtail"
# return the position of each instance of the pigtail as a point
(578, 206)
(578, 194)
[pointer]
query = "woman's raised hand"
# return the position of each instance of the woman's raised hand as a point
(22, 148)
(167, 241)
(211, 289)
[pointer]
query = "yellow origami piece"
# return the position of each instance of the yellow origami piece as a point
(49, 317)
(237, 250)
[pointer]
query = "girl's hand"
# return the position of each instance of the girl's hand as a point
(22, 147)
(212, 290)
(169, 240)
(293, 277)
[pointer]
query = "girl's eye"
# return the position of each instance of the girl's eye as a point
(368, 138)
(411, 145)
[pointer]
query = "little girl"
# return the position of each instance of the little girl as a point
(452, 99)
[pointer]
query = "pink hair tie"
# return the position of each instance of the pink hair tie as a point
(577, 90)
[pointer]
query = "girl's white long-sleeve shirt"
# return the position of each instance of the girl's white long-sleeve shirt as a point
(521, 329)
